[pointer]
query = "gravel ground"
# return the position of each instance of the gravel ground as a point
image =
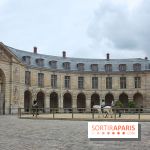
(28, 134)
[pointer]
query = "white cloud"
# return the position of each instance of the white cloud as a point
(122, 27)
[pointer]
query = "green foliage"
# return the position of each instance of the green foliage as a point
(131, 104)
(119, 104)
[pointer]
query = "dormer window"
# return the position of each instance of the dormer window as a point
(108, 67)
(53, 64)
(122, 67)
(80, 66)
(40, 62)
(137, 67)
(94, 67)
(66, 65)
(26, 59)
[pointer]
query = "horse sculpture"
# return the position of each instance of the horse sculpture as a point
(106, 109)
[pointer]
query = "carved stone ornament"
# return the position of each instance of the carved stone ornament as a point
(3, 55)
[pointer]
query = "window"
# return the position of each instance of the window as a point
(122, 67)
(94, 67)
(80, 66)
(108, 68)
(66, 65)
(137, 67)
(80, 82)
(94, 82)
(41, 79)
(123, 82)
(108, 82)
(54, 81)
(26, 59)
(137, 82)
(27, 78)
(53, 64)
(40, 62)
(67, 82)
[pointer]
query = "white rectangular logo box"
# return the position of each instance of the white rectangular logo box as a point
(119, 130)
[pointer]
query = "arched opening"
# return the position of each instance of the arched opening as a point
(40, 100)
(27, 101)
(108, 99)
(138, 99)
(2, 92)
(67, 102)
(95, 100)
(81, 102)
(123, 98)
(54, 101)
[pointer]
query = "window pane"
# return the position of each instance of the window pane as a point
(40, 79)
(108, 82)
(54, 81)
(122, 82)
(80, 82)
(67, 82)
(94, 82)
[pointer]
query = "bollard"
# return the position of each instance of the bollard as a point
(72, 113)
(139, 116)
(93, 114)
(53, 113)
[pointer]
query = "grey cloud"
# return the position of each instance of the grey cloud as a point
(124, 28)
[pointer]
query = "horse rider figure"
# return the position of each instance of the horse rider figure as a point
(35, 107)
(102, 105)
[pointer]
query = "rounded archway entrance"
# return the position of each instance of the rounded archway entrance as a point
(81, 102)
(27, 101)
(40, 100)
(2, 92)
(54, 101)
(95, 100)
(108, 99)
(67, 102)
(138, 99)
(123, 98)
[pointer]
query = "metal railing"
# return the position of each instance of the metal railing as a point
(86, 114)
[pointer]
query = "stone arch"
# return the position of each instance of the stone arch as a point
(40, 100)
(95, 99)
(53, 100)
(108, 99)
(67, 102)
(81, 102)
(123, 98)
(2, 92)
(138, 99)
(27, 100)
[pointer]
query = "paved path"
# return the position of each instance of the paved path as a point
(22, 134)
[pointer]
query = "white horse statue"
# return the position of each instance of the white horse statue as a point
(106, 109)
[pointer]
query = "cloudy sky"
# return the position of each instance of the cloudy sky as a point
(83, 28)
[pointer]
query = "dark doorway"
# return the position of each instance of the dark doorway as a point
(67, 102)
(54, 101)
(81, 102)
(27, 101)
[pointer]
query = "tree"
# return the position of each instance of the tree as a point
(119, 104)
(131, 104)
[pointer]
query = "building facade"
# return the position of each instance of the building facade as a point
(64, 82)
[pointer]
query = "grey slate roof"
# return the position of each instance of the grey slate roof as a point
(145, 64)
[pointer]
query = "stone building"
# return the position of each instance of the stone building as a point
(64, 82)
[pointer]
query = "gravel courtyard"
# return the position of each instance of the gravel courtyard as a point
(28, 134)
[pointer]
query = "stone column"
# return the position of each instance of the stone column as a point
(47, 102)
(88, 102)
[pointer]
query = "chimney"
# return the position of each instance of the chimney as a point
(107, 55)
(64, 54)
(35, 50)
